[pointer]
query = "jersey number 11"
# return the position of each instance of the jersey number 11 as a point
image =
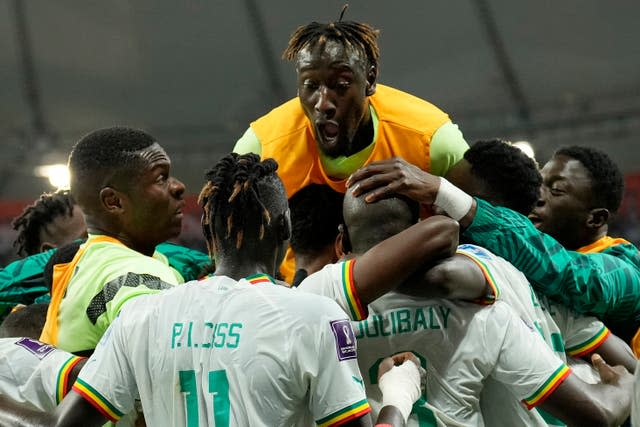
(218, 387)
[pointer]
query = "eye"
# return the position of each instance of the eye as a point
(309, 84)
(556, 191)
(344, 84)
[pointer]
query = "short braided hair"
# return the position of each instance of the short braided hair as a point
(35, 217)
(351, 34)
(234, 206)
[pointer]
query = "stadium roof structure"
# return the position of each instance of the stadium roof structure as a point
(195, 73)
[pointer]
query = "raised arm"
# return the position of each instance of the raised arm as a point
(389, 263)
(596, 283)
(599, 284)
(387, 178)
(454, 278)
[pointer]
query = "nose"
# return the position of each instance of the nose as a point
(324, 104)
(177, 188)
(542, 196)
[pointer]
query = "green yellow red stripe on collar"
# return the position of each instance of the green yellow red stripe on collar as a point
(259, 278)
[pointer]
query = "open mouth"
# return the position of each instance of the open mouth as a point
(535, 219)
(328, 131)
(181, 205)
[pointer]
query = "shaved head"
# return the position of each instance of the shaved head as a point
(370, 223)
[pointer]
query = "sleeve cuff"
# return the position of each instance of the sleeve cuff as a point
(96, 400)
(548, 387)
(590, 345)
(344, 415)
(357, 310)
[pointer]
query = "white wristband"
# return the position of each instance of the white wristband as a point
(455, 202)
(400, 387)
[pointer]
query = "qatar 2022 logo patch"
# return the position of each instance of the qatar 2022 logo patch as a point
(37, 348)
(345, 339)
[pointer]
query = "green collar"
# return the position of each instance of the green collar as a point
(342, 167)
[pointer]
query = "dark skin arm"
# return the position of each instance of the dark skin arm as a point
(615, 351)
(580, 404)
(456, 277)
(74, 410)
(390, 414)
(460, 278)
(386, 178)
(389, 263)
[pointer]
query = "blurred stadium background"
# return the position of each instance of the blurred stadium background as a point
(195, 73)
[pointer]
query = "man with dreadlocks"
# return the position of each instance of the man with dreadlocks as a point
(342, 119)
(51, 221)
(235, 348)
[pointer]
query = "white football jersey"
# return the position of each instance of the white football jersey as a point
(220, 352)
(564, 331)
(459, 344)
(34, 373)
(635, 401)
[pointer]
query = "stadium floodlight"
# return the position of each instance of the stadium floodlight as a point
(57, 174)
(526, 148)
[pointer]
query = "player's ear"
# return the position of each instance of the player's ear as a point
(45, 246)
(372, 76)
(337, 247)
(597, 217)
(342, 244)
(284, 226)
(111, 200)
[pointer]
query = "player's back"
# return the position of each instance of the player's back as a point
(512, 286)
(463, 346)
(458, 343)
(220, 352)
(499, 406)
